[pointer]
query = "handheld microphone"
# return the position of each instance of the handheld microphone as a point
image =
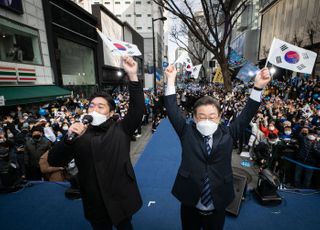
(87, 119)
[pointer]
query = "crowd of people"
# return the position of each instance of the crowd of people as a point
(287, 124)
(27, 133)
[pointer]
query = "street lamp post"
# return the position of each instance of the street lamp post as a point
(154, 54)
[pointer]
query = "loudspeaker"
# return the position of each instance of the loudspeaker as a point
(212, 64)
(266, 191)
(240, 185)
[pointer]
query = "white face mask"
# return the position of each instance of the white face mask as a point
(207, 127)
(311, 137)
(287, 132)
(98, 118)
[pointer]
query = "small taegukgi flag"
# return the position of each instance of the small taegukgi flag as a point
(195, 71)
(307, 111)
(185, 60)
(118, 47)
(288, 56)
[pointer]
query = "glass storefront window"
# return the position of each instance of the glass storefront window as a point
(77, 63)
(19, 43)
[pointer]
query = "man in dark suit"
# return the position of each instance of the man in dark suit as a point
(204, 181)
(107, 181)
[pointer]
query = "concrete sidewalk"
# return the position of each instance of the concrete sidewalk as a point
(137, 147)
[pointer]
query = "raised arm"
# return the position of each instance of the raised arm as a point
(252, 106)
(176, 118)
(136, 102)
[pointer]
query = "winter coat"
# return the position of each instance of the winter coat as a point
(106, 177)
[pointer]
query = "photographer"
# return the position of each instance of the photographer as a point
(309, 153)
(287, 147)
(8, 165)
(265, 151)
(35, 147)
(19, 143)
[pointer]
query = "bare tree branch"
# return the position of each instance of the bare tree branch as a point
(214, 31)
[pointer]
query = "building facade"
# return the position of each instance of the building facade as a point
(138, 14)
(294, 21)
(112, 73)
(246, 31)
(72, 42)
(26, 73)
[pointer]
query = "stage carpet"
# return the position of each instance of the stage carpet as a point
(44, 206)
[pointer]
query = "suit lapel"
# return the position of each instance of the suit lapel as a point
(203, 147)
(217, 136)
(216, 140)
(200, 141)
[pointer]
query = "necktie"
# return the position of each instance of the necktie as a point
(206, 198)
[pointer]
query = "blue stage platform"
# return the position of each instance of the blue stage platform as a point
(43, 206)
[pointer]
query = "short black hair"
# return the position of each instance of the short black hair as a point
(272, 136)
(37, 128)
(107, 97)
(207, 100)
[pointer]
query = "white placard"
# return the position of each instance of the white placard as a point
(2, 102)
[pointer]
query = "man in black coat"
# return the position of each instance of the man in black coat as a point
(107, 181)
(204, 181)
(309, 154)
(34, 148)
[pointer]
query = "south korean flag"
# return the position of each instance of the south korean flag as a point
(195, 71)
(288, 56)
(118, 47)
(185, 60)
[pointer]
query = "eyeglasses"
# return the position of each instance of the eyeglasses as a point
(212, 117)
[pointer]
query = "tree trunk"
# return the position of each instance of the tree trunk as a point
(203, 74)
(226, 76)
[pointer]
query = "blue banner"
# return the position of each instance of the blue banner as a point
(235, 60)
(247, 72)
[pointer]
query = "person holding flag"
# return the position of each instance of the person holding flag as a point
(108, 185)
(204, 184)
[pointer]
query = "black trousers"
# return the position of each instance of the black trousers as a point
(107, 225)
(192, 219)
(34, 173)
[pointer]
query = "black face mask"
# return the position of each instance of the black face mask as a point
(304, 134)
(36, 137)
(24, 131)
